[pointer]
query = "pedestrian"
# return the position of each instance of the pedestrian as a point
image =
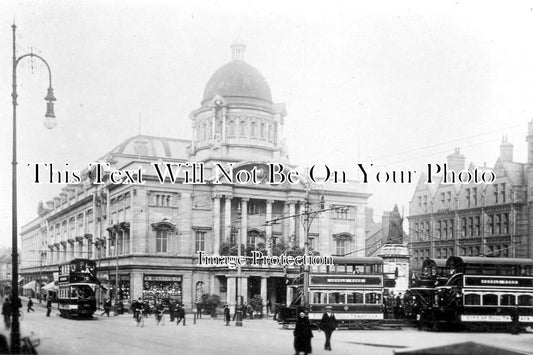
(172, 310)
(107, 307)
(199, 310)
(269, 307)
(328, 324)
(235, 311)
(302, 335)
(30, 305)
(227, 316)
(244, 308)
(180, 315)
(6, 312)
(515, 321)
(48, 306)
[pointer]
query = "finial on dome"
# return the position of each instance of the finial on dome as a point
(237, 50)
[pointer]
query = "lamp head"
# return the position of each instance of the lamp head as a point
(50, 117)
(50, 96)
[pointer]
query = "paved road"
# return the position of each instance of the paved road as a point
(119, 335)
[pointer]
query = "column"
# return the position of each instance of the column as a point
(227, 218)
(292, 223)
(244, 288)
(216, 224)
(107, 246)
(74, 249)
(264, 294)
(213, 126)
(230, 292)
(224, 112)
(244, 221)
(269, 226)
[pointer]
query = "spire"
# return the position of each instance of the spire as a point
(237, 50)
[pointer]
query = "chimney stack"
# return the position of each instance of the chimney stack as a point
(456, 161)
(506, 150)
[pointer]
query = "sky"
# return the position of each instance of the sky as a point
(395, 84)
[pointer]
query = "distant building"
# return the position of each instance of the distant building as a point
(475, 219)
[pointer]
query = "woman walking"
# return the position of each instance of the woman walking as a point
(302, 335)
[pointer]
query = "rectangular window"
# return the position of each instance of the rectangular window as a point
(449, 199)
(199, 241)
(505, 223)
(496, 194)
(340, 246)
(450, 228)
(463, 227)
(477, 224)
(161, 240)
(497, 224)
(467, 197)
(474, 196)
(502, 193)
(442, 199)
(490, 223)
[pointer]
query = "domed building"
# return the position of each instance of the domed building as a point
(146, 238)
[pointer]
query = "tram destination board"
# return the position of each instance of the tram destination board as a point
(336, 280)
(503, 282)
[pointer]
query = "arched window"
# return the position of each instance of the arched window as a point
(262, 130)
(242, 128)
(253, 129)
(269, 132)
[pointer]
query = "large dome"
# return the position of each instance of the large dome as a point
(237, 79)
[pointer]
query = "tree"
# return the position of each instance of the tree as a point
(210, 303)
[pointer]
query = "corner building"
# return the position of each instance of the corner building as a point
(150, 234)
(475, 219)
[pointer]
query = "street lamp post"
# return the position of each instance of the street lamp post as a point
(50, 123)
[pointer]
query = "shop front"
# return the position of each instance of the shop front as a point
(162, 288)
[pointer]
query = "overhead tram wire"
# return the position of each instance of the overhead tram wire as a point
(436, 153)
(447, 142)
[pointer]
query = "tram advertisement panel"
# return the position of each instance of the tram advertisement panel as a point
(345, 280)
(504, 282)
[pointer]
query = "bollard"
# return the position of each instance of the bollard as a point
(194, 319)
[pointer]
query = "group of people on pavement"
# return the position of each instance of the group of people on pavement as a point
(176, 311)
(303, 332)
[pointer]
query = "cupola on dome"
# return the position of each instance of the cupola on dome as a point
(237, 79)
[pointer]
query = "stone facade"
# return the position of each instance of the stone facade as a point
(474, 219)
(149, 234)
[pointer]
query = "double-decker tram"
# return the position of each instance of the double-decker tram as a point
(76, 288)
(483, 293)
(352, 286)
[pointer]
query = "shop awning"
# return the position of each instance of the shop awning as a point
(30, 285)
(49, 286)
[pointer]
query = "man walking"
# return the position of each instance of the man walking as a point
(180, 315)
(328, 324)
(48, 306)
(30, 305)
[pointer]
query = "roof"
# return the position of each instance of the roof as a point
(356, 260)
(486, 260)
(151, 146)
(237, 79)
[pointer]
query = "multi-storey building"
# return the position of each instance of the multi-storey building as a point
(147, 236)
(474, 219)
